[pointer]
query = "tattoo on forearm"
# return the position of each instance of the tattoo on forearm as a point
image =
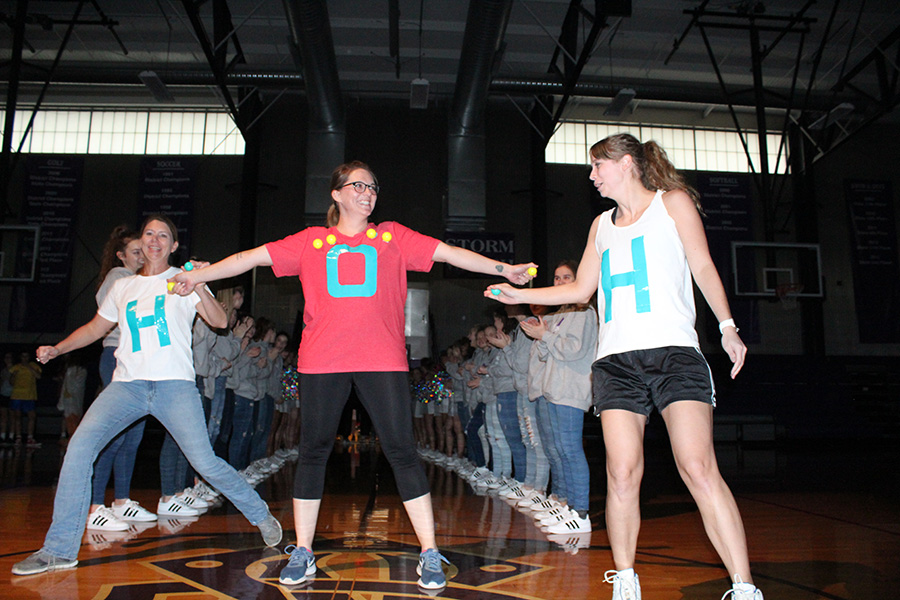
(239, 255)
(499, 268)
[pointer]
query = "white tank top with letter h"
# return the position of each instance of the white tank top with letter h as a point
(645, 296)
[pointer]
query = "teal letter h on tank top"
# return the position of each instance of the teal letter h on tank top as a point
(157, 319)
(637, 278)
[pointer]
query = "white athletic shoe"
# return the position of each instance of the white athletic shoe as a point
(132, 511)
(103, 519)
(625, 587)
(574, 524)
(531, 500)
(195, 501)
(174, 507)
(743, 591)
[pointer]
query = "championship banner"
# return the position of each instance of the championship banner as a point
(167, 186)
(727, 201)
(499, 246)
(52, 192)
(876, 272)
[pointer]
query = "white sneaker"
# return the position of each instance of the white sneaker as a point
(132, 511)
(626, 587)
(561, 516)
(534, 498)
(103, 519)
(743, 591)
(574, 524)
(544, 505)
(174, 507)
(204, 491)
(546, 514)
(189, 498)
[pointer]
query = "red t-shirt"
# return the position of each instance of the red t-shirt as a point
(355, 292)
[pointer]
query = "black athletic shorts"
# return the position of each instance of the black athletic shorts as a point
(639, 380)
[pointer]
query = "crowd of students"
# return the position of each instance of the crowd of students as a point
(504, 408)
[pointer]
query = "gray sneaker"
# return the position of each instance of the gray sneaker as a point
(270, 529)
(41, 562)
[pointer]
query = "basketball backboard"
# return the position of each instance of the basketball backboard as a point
(765, 269)
(18, 253)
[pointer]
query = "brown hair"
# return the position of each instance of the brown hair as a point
(226, 297)
(654, 168)
(118, 240)
(339, 178)
(572, 265)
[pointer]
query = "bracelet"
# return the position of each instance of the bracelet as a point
(727, 323)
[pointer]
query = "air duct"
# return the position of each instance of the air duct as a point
(485, 26)
(311, 34)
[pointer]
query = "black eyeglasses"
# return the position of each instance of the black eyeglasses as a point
(360, 187)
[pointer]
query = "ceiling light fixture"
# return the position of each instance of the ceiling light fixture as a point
(622, 99)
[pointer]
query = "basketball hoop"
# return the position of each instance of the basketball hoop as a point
(787, 294)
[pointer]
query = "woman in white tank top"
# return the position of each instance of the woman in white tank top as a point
(641, 258)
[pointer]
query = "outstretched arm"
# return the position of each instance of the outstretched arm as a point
(85, 335)
(579, 291)
(225, 268)
(476, 263)
(690, 229)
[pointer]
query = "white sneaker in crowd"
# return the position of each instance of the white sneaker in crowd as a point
(103, 519)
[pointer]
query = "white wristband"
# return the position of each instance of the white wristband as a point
(727, 323)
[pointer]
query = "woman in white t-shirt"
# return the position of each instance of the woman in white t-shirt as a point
(122, 257)
(154, 376)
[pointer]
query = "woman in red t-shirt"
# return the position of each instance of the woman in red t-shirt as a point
(353, 274)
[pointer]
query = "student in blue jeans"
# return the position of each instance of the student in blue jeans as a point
(154, 376)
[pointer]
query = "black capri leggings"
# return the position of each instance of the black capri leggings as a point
(385, 396)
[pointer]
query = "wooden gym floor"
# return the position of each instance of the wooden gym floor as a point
(823, 522)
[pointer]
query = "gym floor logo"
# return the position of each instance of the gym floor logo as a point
(341, 574)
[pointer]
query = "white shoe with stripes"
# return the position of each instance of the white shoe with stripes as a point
(103, 519)
(574, 524)
(132, 511)
(174, 507)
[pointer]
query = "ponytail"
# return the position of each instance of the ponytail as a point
(333, 215)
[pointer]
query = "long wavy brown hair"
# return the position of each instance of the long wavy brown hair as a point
(653, 166)
(120, 237)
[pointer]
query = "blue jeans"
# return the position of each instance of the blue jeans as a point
(217, 408)
(568, 423)
(118, 457)
(220, 444)
(509, 422)
(173, 467)
(176, 404)
(241, 432)
(538, 464)
(502, 459)
(473, 443)
(260, 439)
(548, 436)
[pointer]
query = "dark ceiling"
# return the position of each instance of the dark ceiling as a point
(380, 46)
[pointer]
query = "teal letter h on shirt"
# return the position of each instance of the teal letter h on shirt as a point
(638, 278)
(157, 319)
